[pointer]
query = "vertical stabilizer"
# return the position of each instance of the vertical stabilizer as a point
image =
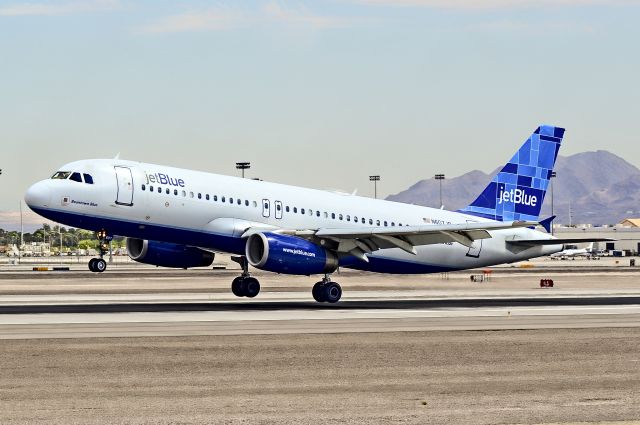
(517, 191)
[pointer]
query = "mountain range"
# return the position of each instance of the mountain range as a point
(590, 187)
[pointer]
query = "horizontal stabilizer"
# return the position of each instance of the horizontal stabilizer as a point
(547, 223)
(538, 242)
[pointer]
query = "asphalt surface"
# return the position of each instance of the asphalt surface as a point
(506, 377)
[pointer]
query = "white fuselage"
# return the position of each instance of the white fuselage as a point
(212, 211)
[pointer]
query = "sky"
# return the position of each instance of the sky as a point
(315, 93)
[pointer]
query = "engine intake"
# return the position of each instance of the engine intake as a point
(288, 255)
(165, 254)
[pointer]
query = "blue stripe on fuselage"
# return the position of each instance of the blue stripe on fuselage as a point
(217, 241)
(149, 231)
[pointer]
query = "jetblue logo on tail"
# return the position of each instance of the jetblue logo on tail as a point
(517, 196)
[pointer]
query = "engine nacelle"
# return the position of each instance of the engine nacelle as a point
(289, 255)
(166, 254)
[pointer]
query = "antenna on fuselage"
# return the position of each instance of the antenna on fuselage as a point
(117, 156)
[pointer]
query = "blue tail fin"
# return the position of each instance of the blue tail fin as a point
(517, 191)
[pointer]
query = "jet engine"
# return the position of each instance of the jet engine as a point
(289, 255)
(166, 254)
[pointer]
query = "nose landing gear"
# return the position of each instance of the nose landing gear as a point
(98, 265)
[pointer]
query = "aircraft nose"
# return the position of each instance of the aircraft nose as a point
(38, 195)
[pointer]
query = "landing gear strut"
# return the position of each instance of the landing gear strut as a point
(98, 265)
(326, 291)
(244, 285)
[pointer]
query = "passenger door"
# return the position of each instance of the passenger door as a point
(124, 181)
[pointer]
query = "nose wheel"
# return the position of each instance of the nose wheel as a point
(327, 291)
(98, 265)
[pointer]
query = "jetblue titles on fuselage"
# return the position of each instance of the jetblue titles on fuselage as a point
(161, 178)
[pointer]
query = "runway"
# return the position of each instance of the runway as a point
(74, 305)
(89, 316)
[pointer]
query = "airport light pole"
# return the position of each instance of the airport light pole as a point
(243, 166)
(553, 176)
(375, 180)
(440, 177)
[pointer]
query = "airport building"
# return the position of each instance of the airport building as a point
(626, 235)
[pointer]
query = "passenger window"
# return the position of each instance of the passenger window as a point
(278, 207)
(143, 187)
(239, 202)
(355, 219)
(246, 202)
(215, 198)
(184, 193)
(223, 199)
(393, 224)
(88, 179)
(190, 194)
(317, 213)
(363, 221)
(301, 210)
(231, 200)
(348, 217)
(167, 191)
(341, 217)
(377, 222)
(76, 177)
(385, 224)
(199, 195)
(206, 196)
(175, 192)
(333, 216)
(295, 209)
(286, 208)
(255, 204)
(370, 221)
(159, 189)
(326, 214)
(150, 188)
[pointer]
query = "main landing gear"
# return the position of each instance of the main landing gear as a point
(327, 291)
(244, 285)
(98, 265)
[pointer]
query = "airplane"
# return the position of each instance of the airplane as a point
(181, 218)
(588, 252)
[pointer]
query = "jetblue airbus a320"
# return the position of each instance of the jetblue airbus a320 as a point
(180, 218)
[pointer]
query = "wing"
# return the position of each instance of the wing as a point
(362, 241)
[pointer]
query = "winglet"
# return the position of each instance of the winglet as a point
(547, 223)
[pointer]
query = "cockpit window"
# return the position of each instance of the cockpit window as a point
(88, 179)
(76, 177)
(61, 175)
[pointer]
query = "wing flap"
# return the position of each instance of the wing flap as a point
(539, 242)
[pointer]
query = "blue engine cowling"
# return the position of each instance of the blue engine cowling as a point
(166, 254)
(289, 255)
